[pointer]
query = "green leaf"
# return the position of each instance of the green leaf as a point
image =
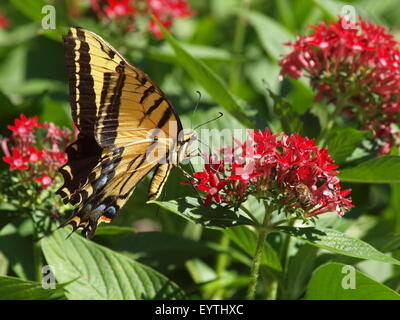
(30, 8)
(55, 34)
(114, 231)
(290, 120)
(330, 7)
(13, 69)
(4, 264)
(263, 71)
(6, 216)
(328, 281)
(20, 35)
(272, 35)
(342, 142)
(302, 95)
(200, 271)
(161, 249)
(246, 239)
(392, 211)
(166, 53)
(385, 169)
(286, 13)
(338, 242)
(18, 250)
(299, 272)
(335, 8)
(101, 273)
(210, 81)
(213, 216)
(17, 289)
(393, 282)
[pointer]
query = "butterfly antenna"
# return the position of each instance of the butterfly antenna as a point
(211, 120)
(195, 109)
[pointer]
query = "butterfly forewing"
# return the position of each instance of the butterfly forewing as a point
(127, 128)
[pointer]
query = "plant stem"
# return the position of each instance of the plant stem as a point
(238, 41)
(36, 246)
(251, 216)
(222, 263)
(285, 248)
(262, 235)
(273, 290)
(284, 252)
(282, 221)
(338, 109)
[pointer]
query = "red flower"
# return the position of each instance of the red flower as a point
(361, 60)
(166, 11)
(24, 126)
(155, 29)
(163, 9)
(119, 8)
(34, 155)
(244, 174)
(17, 161)
(45, 181)
(213, 186)
(54, 158)
(4, 22)
(289, 170)
(43, 164)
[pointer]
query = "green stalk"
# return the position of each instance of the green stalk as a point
(222, 263)
(238, 41)
(273, 290)
(284, 252)
(342, 102)
(285, 248)
(324, 133)
(254, 272)
(250, 215)
(223, 258)
(37, 248)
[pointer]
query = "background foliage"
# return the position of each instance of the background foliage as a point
(148, 252)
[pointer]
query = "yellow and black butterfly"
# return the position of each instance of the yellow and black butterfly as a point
(127, 128)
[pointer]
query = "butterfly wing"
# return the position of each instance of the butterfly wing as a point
(127, 128)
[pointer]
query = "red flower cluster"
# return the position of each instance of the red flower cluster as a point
(288, 170)
(356, 67)
(166, 11)
(21, 152)
(119, 8)
(4, 22)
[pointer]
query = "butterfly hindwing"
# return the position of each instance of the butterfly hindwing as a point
(126, 127)
(159, 179)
